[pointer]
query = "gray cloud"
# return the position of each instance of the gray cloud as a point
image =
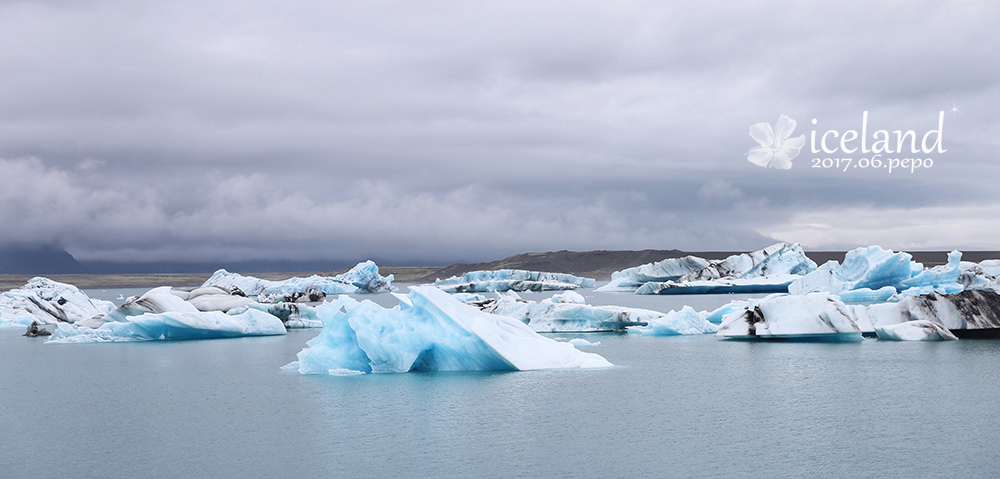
(447, 131)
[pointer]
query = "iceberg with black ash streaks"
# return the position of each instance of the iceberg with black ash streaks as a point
(44, 301)
(767, 270)
(361, 279)
(811, 317)
(429, 331)
(967, 314)
(670, 269)
(512, 280)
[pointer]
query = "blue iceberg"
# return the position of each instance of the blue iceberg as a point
(428, 331)
(869, 274)
(361, 279)
(45, 301)
(674, 323)
(512, 280)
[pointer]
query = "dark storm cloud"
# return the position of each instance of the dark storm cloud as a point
(449, 131)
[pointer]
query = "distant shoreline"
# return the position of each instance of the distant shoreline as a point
(592, 264)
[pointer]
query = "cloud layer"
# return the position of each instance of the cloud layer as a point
(445, 131)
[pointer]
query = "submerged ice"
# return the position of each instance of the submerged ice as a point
(429, 331)
(511, 280)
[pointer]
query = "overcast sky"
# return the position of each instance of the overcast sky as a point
(435, 132)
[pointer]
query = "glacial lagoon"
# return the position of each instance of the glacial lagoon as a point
(691, 406)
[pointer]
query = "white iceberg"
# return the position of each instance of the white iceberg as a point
(583, 343)
(811, 317)
(767, 270)
(512, 280)
(670, 269)
(778, 259)
(683, 322)
(164, 299)
(173, 326)
(919, 330)
(429, 331)
(45, 301)
(567, 312)
(363, 278)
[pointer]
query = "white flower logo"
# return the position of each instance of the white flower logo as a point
(775, 149)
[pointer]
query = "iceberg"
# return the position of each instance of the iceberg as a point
(685, 321)
(768, 270)
(429, 331)
(173, 326)
(919, 330)
(511, 280)
(670, 269)
(967, 314)
(811, 317)
(867, 272)
(361, 279)
(768, 284)
(566, 312)
(44, 301)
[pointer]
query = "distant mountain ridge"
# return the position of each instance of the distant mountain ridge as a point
(51, 260)
(38, 260)
(600, 264)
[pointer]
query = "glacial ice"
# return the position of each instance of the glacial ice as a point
(967, 310)
(918, 330)
(767, 270)
(867, 272)
(48, 302)
(810, 317)
(670, 269)
(765, 284)
(583, 343)
(685, 321)
(429, 331)
(511, 280)
(567, 312)
(363, 278)
(173, 326)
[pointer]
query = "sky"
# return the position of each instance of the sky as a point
(439, 132)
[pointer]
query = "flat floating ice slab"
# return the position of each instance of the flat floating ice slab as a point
(429, 331)
(720, 286)
(173, 326)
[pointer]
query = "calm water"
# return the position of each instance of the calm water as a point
(672, 407)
